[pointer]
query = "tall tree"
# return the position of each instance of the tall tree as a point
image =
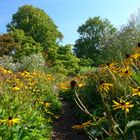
(37, 24)
(92, 33)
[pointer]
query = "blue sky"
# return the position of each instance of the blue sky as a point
(68, 15)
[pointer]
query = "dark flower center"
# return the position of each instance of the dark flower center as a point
(126, 71)
(127, 55)
(139, 44)
(10, 118)
(73, 83)
(108, 64)
(123, 103)
(101, 82)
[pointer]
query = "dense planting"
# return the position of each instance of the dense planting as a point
(99, 76)
(28, 105)
(108, 99)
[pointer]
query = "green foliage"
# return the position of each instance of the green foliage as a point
(28, 105)
(85, 62)
(92, 32)
(84, 70)
(27, 45)
(64, 60)
(37, 24)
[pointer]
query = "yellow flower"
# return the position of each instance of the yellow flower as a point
(122, 104)
(10, 121)
(50, 77)
(56, 116)
(47, 111)
(135, 91)
(34, 73)
(130, 58)
(49, 120)
(31, 83)
(64, 86)
(15, 88)
(125, 72)
(104, 87)
(25, 73)
(83, 125)
(45, 104)
(80, 85)
(133, 56)
(7, 71)
(111, 66)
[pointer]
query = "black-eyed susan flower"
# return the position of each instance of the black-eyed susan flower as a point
(45, 104)
(130, 58)
(15, 88)
(104, 87)
(133, 56)
(83, 125)
(125, 72)
(10, 121)
(112, 66)
(135, 91)
(8, 71)
(122, 104)
(31, 83)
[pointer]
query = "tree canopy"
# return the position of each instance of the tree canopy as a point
(92, 32)
(122, 42)
(37, 24)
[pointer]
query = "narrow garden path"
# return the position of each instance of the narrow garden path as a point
(63, 126)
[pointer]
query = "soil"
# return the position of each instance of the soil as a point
(63, 126)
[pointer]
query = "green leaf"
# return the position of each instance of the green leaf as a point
(136, 77)
(132, 123)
